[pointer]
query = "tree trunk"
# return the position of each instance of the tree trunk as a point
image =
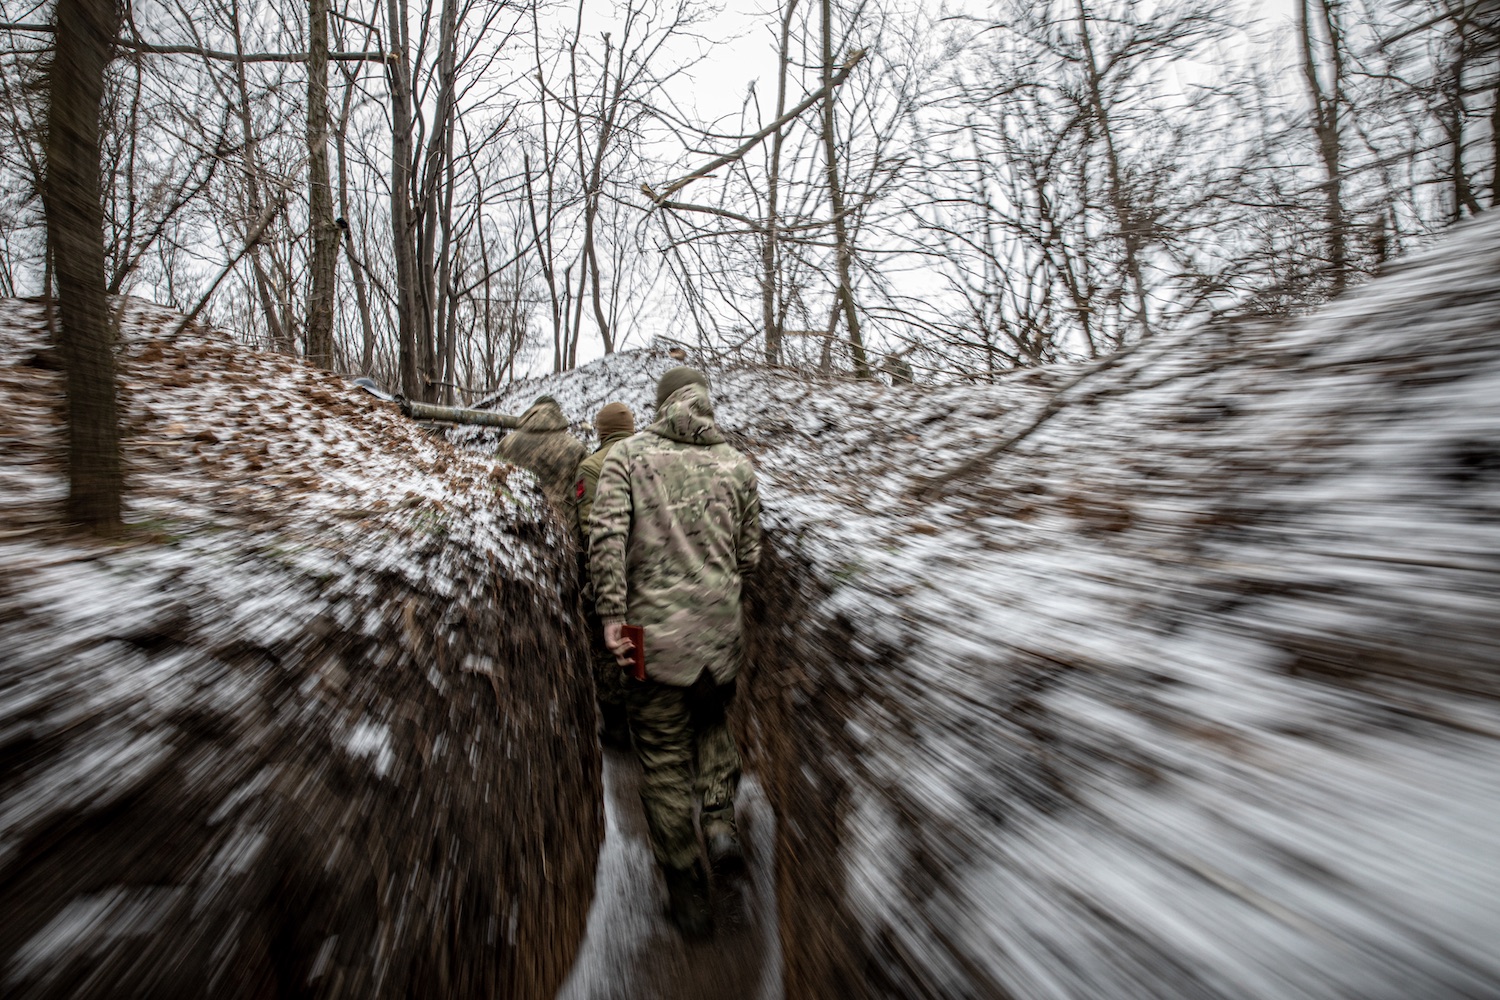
(356, 263)
(488, 307)
(325, 232)
(446, 302)
(398, 71)
(119, 263)
(450, 333)
(542, 240)
(1326, 129)
(592, 259)
(1125, 221)
(1456, 112)
(572, 358)
(843, 254)
(1495, 146)
(279, 339)
(85, 31)
(431, 231)
(609, 107)
(768, 250)
(49, 275)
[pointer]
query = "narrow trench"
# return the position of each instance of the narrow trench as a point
(631, 952)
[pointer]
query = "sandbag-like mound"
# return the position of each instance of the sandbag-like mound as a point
(317, 726)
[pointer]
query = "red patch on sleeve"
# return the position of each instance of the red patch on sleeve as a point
(579, 490)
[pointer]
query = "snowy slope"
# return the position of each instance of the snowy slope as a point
(1190, 693)
(311, 723)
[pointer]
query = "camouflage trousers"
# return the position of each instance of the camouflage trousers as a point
(688, 758)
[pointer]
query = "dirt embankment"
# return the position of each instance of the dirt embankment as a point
(317, 727)
(790, 731)
(1186, 688)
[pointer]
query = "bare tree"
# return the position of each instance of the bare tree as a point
(1320, 37)
(355, 259)
(255, 184)
(85, 34)
(771, 315)
(1444, 57)
(843, 253)
(415, 365)
(1062, 231)
(597, 100)
(1120, 201)
(325, 231)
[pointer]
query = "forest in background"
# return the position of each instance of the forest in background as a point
(444, 194)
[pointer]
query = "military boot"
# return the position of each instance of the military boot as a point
(725, 853)
(687, 901)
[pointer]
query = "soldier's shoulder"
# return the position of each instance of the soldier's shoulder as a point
(628, 451)
(731, 457)
(647, 443)
(592, 462)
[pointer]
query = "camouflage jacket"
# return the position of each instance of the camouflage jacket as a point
(587, 482)
(541, 442)
(676, 525)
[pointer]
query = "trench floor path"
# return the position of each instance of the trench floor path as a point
(631, 952)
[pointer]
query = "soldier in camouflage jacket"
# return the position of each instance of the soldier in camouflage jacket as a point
(613, 424)
(542, 443)
(675, 527)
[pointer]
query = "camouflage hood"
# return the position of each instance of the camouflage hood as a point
(541, 443)
(544, 415)
(687, 416)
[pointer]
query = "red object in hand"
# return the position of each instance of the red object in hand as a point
(636, 636)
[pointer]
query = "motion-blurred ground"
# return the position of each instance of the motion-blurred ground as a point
(1169, 677)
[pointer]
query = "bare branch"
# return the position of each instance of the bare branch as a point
(252, 240)
(149, 48)
(827, 90)
(681, 206)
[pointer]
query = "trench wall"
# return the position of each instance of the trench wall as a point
(319, 726)
(1190, 693)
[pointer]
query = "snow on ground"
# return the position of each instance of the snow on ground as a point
(1189, 693)
(218, 438)
(280, 728)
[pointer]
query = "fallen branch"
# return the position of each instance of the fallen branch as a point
(458, 415)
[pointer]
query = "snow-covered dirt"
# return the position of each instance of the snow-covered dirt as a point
(316, 725)
(1174, 678)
